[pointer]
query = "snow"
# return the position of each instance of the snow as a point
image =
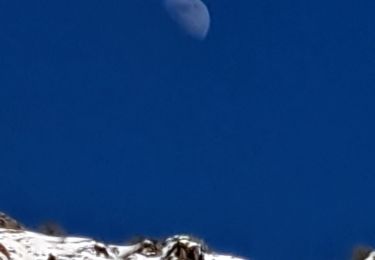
(28, 245)
(371, 256)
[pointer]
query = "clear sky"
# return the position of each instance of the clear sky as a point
(259, 139)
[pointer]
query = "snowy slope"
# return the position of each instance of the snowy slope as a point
(18, 243)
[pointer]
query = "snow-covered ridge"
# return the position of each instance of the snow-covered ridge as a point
(18, 243)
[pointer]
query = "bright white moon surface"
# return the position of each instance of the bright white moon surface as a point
(191, 15)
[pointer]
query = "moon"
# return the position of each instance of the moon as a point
(192, 16)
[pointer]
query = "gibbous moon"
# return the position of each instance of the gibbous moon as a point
(191, 15)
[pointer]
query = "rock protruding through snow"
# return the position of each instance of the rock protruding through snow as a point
(18, 243)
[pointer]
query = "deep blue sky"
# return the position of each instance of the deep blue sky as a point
(259, 139)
